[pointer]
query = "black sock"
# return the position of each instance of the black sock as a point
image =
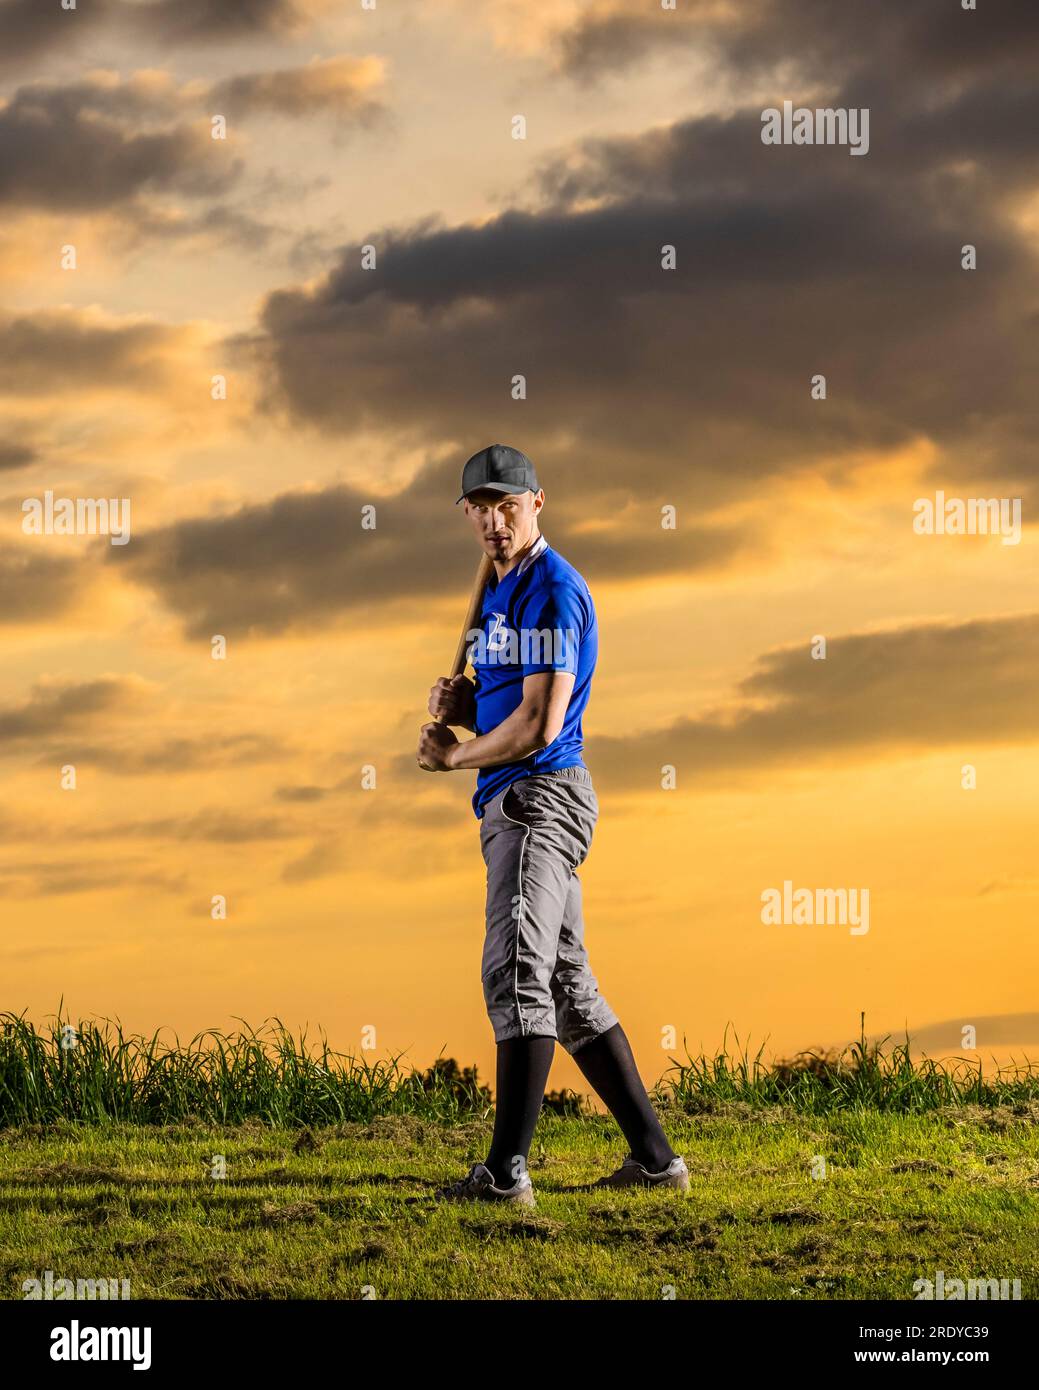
(607, 1062)
(523, 1067)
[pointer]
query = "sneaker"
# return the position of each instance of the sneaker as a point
(632, 1173)
(478, 1186)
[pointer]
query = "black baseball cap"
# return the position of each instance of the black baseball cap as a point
(500, 469)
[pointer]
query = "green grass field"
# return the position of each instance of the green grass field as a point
(328, 1213)
(847, 1177)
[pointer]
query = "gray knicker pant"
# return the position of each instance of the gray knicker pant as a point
(535, 971)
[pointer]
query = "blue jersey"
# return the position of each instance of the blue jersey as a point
(540, 617)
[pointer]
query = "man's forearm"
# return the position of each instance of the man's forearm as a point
(515, 738)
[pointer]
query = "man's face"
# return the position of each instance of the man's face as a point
(504, 522)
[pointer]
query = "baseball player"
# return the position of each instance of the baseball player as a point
(534, 656)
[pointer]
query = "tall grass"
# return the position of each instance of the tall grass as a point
(93, 1074)
(862, 1075)
(90, 1073)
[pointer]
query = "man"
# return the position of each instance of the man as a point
(534, 656)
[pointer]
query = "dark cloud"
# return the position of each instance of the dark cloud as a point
(217, 824)
(29, 28)
(33, 28)
(215, 21)
(55, 707)
(39, 587)
(42, 880)
(302, 560)
(342, 85)
(103, 144)
(693, 384)
(220, 224)
(120, 356)
(307, 793)
(926, 40)
(14, 456)
(604, 42)
(80, 146)
(965, 687)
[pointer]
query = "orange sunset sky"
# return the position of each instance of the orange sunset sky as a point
(141, 259)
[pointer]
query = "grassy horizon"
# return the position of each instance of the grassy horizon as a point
(83, 1072)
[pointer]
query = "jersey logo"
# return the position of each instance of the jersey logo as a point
(498, 635)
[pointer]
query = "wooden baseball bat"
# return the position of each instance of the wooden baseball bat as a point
(472, 614)
(484, 570)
